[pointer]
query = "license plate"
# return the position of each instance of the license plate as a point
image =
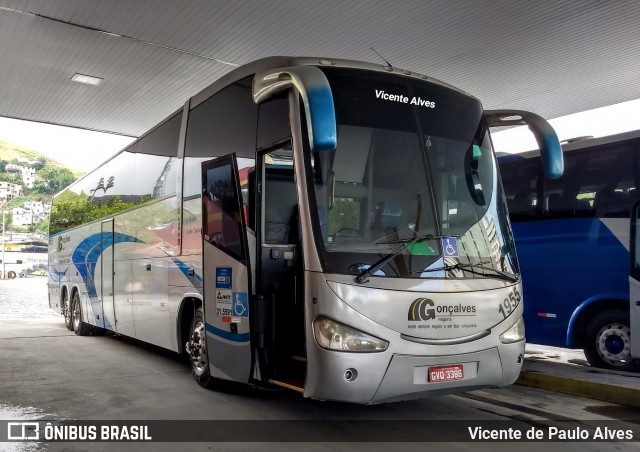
(450, 372)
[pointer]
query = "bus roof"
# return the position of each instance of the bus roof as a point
(273, 62)
(573, 145)
(276, 62)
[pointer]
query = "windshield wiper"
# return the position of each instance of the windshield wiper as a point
(471, 269)
(364, 276)
(420, 238)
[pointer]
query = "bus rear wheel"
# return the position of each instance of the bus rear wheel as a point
(608, 341)
(66, 311)
(197, 350)
(79, 327)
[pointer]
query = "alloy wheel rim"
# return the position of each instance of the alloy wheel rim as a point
(198, 350)
(76, 315)
(613, 344)
(67, 313)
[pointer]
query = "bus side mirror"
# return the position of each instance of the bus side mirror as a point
(550, 148)
(316, 94)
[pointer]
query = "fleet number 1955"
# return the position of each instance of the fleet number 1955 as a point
(510, 303)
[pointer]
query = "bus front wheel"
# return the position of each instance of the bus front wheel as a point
(197, 351)
(608, 342)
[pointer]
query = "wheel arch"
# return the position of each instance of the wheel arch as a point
(64, 291)
(72, 293)
(74, 290)
(186, 312)
(576, 329)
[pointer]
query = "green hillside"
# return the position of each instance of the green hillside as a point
(50, 178)
(13, 153)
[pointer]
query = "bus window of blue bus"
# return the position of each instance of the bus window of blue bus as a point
(572, 240)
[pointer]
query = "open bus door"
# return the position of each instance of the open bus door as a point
(634, 282)
(226, 272)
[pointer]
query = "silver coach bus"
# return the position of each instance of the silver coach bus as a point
(334, 227)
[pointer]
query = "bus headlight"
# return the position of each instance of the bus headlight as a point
(513, 334)
(336, 336)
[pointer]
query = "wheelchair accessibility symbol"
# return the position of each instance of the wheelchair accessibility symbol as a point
(450, 247)
(240, 304)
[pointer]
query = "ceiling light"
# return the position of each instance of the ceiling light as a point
(86, 79)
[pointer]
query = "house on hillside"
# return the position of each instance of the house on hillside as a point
(22, 217)
(33, 212)
(28, 174)
(8, 191)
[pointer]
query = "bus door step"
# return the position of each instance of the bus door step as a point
(294, 384)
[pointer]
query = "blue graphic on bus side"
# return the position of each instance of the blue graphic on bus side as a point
(55, 275)
(223, 278)
(85, 258)
(240, 337)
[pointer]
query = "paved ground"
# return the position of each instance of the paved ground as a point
(24, 297)
(544, 353)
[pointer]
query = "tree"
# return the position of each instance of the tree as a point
(11, 178)
(41, 188)
(42, 227)
(40, 164)
(8, 218)
(56, 179)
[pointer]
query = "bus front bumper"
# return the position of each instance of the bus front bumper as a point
(406, 377)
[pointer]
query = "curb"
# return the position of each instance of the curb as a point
(599, 391)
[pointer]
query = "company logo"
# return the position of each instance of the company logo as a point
(426, 309)
(421, 309)
(61, 241)
(23, 430)
(65, 431)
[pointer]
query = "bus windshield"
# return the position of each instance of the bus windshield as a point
(414, 168)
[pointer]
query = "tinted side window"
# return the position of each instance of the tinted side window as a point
(163, 140)
(145, 171)
(106, 191)
(597, 182)
(520, 178)
(156, 160)
(273, 122)
(635, 244)
(224, 123)
(222, 211)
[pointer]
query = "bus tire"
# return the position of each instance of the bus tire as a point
(11, 274)
(607, 342)
(66, 311)
(79, 327)
(197, 350)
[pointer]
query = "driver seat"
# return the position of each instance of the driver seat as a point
(389, 217)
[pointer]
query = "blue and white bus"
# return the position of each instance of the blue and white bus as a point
(572, 239)
(368, 259)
